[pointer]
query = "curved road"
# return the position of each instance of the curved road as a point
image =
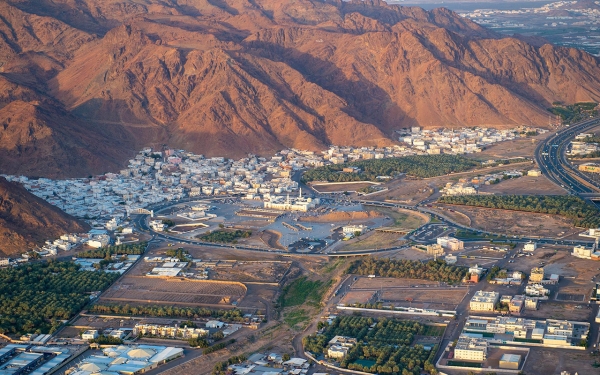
(551, 159)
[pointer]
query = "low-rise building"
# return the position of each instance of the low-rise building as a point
(352, 229)
(510, 361)
(530, 247)
(531, 303)
(471, 349)
(516, 304)
(337, 351)
(90, 334)
(484, 301)
(536, 290)
(451, 243)
(537, 275)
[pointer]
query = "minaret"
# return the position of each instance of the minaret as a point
(300, 196)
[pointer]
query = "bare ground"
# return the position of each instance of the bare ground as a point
(524, 185)
(516, 222)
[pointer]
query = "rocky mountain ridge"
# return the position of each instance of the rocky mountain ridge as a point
(86, 83)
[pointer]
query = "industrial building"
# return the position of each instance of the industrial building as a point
(126, 360)
(169, 331)
(484, 301)
(521, 331)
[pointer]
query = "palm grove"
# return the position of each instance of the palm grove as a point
(35, 298)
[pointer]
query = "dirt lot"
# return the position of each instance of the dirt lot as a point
(556, 310)
(409, 254)
(424, 297)
(345, 216)
(175, 291)
(245, 271)
(358, 296)
(524, 185)
(515, 222)
(388, 282)
(553, 361)
(575, 274)
(523, 147)
(372, 240)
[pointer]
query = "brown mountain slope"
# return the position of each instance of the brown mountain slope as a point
(227, 77)
(27, 221)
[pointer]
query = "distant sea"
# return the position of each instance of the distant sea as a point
(471, 6)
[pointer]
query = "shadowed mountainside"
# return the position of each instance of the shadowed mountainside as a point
(27, 221)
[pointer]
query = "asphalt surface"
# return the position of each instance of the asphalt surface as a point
(550, 156)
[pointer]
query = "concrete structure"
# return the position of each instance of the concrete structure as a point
(450, 243)
(484, 301)
(537, 275)
(126, 360)
(337, 351)
(534, 173)
(459, 189)
(471, 349)
(351, 229)
(281, 203)
(585, 252)
(169, 331)
(433, 249)
(89, 335)
(451, 259)
(530, 247)
(506, 330)
(536, 290)
(214, 324)
(516, 304)
(510, 361)
(4, 262)
(531, 303)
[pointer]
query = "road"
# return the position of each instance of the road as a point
(550, 156)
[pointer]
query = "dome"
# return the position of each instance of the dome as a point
(91, 367)
(140, 353)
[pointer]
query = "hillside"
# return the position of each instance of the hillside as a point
(93, 80)
(27, 221)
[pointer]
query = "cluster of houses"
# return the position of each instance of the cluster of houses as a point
(459, 141)
(579, 146)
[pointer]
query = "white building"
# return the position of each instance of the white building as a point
(157, 225)
(584, 252)
(281, 203)
(4, 262)
(214, 324)
(484, 301)
(91, 334)
(530, 246)
(351, 229)
(536, 290)
(451, 243)
(471, 349)
(337, 351)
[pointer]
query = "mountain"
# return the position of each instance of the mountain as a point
(27, 221)
(91, 81)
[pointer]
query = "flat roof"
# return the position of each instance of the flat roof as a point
(510, 358)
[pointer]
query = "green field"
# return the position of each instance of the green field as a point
(302, 291)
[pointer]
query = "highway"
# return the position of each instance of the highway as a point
(552, 161)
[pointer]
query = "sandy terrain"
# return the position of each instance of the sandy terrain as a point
(372, 240)
(510, 149)
(553, 361)
(387, 282)
(345, 216)
(515, 222)
(524, 185)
